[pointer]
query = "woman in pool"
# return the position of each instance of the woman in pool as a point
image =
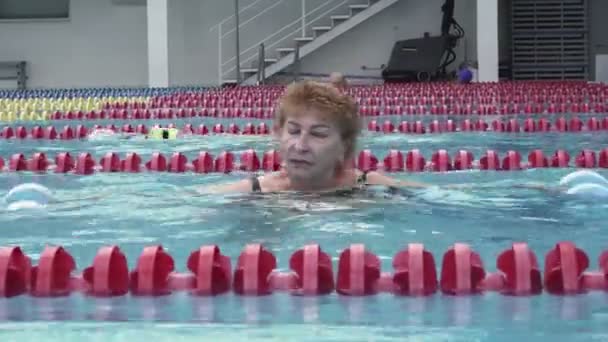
(317, 127)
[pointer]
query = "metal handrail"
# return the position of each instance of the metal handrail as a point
(261, 74)
(232, 16)
(278, 2)
(221, 35)
(343, 2)
(296, 63)
(287, 26)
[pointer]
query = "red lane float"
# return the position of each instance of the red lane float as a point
(52, 276)
(520, 272)
(415, 272)
(462, 271)
(211, 269)
(564, 267)
(417, 127)
(108, 275)
(358, 272)
(253, 269)
(313, 270)
(249, 161)
(15, 271)
(310, 272)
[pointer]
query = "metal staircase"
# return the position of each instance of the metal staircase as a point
(550, 39)
(314, 29)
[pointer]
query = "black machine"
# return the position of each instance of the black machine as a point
(426, 58)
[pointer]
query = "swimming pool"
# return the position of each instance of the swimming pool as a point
(138, 210)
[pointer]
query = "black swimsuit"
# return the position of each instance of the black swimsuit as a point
(255, 182)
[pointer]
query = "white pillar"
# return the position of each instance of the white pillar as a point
(158, 44)
(487, 40)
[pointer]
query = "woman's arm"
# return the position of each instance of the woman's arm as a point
(235, 187)
(377, 178)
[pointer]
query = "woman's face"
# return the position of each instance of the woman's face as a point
(311, 148)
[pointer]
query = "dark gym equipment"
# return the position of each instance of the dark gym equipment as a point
(426, 58)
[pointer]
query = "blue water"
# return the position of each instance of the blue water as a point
(138, 210)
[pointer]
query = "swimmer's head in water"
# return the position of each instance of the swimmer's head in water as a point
(317, 127)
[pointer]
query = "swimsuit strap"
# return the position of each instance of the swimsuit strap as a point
(255, 184)
(363, 178)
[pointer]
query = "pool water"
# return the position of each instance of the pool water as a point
(138, 210)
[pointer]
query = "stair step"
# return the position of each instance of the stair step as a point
(249, 70)
(270, 60)
(323, 33)
(321, 28)
(340, 17)
(229, 82)
(286, 50)
(358, 7)
(304, 39)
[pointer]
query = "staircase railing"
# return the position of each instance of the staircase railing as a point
(307, 18)
(223, 32)
(261, 74)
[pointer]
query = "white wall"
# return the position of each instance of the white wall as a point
(101, 45)
(104, 44)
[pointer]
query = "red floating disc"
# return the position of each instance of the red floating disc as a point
(51, 277)
(271, 161)
(109, 274)
(158, 162)
(367, 161)
(463, 160)
(529, 125)
(373, 126)
(414, 161)
(110, 162)
(50, 133)
(178, 163)
(15, 270)
(441, 161)
(564, 266)
(394, 162)
(212, 270)
(512, 161)
(461, 271)
(17, 163)
(85, 164)
(536, 159)
(38, 163)
(151, 275)
(254, 266)
(203, 163)
(249, 161)
(224, 162)
(358, 272)
(7, 133)
(521, 271)
(586, 159)
(64, 162)
(415, 272)
(314, 271)
(67, 133)
(131, 163)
